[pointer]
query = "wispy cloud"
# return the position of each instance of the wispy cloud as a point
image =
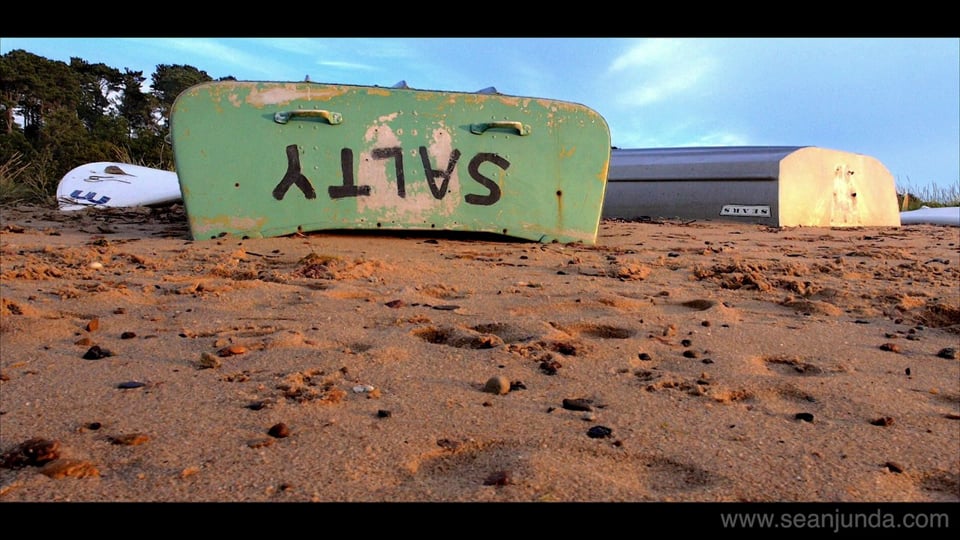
(213, 51)
(655, 70)
(354, 55)
(647, 52)
(673, 131)
(346, 65)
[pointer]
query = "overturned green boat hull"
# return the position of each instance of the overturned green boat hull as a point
(262, 159)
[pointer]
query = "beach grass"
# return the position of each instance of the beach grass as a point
(912, 197)
(26, 182)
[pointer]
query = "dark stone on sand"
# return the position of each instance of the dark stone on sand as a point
(395, 303)
(498, 478)
(96, 353)
(599, 432)
(892, 347)
(644, 356)
(279, 431)
(883, 421)
(893, 466)
(689, 353)
(577, 404)
(805, 416)
(256, 405)
(128, 335)
(383, 413)
(126, 385)
(949, 353)
(686, 343)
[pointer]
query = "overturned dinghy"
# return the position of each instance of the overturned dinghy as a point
(262, 159)
(775, 185)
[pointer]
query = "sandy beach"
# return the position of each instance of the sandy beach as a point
(673, 361)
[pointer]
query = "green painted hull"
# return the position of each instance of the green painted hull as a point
(262, 159)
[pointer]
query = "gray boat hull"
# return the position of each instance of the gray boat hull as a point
(780, 186)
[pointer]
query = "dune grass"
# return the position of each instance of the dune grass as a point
(912, 197)
(22, 182)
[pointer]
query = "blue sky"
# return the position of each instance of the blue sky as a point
(895, 99)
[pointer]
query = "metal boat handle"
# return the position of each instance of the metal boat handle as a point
(522, 129)
(333, 118)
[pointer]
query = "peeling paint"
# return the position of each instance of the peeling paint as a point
(384, 119)
(218, 223)
(419, 205)
(288, 93)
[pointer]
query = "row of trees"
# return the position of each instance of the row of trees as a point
(55, 116)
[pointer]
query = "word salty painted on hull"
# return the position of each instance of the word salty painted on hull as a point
(349, 188)
(745, 210)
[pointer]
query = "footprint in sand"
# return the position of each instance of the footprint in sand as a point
(665, 476)
(791, 365)
(941, 485)
(480, 336)
(509, 333)
(602, 331)
(470, 464)
(463, 338)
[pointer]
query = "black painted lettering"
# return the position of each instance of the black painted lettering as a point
(432, 174)
(397, 154)
(474, 169)
(348, 189)
(293, 176)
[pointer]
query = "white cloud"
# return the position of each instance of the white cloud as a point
(212, 51)
(647, 52)
(346, 65)
(655, 70)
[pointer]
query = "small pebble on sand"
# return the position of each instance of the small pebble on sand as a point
(279, 431)
(949, 353)
(892, 347)
(498, 384)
